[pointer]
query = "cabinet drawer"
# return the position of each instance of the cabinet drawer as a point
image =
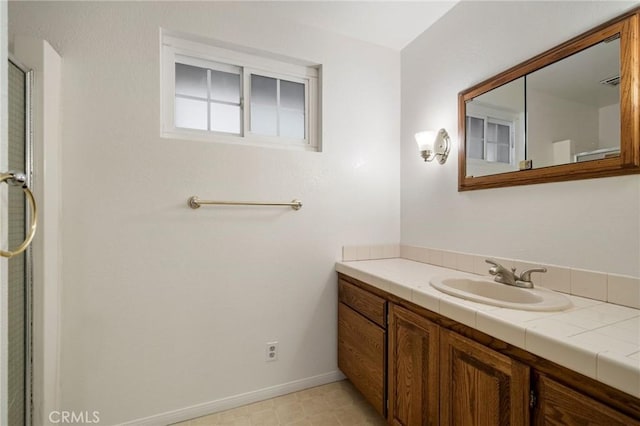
(361, 355)
(363, 302)
(559, 405)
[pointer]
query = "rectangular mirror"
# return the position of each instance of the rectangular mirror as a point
(569, 113)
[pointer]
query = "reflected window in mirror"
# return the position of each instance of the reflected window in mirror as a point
(495, 130)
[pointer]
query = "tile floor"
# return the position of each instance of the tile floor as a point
(335, 404)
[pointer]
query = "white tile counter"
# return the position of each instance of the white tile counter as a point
(598, 339)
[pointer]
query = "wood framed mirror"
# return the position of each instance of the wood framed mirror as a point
(572, 112)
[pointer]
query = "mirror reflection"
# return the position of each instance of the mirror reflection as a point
(495, 124)
(573, 107)
(566, 112)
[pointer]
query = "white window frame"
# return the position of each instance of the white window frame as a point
(216, 66)
(496, 116)
(512, 146)
(183, 50)
(248, 72)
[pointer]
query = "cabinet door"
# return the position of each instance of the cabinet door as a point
(361, 355)
(413, 369)
(560, 405)
(480, 386)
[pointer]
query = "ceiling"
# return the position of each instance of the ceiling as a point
(392, 24)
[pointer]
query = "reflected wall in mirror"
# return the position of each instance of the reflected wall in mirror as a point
(569, 113)
(573, 107)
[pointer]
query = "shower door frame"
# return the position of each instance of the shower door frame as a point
(47, 248)
(28, 277)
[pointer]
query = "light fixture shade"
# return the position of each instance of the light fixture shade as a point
(426, 139)
(433, 144)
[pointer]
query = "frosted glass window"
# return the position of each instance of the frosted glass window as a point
(191, 81)
(277, 107)
(492, 132)
(292, 95)
(503, 154)
(264, 119)
(225, 118)
(208, 99)
(498, 144)
(489, 139)
(225, 86)
(214, 93)
(264, 90)
(498, 153)
(264, 105)
(475, 137)
(292, 111)
(503, 134)
(292, 124)
(191, 113)
(492, 155)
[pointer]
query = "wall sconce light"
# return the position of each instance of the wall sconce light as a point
(434, 144)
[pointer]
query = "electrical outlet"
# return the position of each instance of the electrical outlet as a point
(271, 353)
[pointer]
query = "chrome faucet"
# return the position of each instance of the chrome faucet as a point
(510, 277)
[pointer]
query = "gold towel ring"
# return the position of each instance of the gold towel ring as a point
(20, 179)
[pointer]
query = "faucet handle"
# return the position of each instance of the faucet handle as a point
(494, 269)
(526, 275)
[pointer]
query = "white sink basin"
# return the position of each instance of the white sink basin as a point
(489, 292)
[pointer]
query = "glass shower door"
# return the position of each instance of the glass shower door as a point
(19, 265)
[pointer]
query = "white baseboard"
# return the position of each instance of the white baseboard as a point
(206, 408)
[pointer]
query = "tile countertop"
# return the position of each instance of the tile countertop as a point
(598, 339)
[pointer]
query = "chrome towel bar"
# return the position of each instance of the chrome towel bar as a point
(194, 202)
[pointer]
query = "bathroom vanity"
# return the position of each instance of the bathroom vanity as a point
(422, 357)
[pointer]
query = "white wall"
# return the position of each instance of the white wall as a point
(553, 118)
(608, 128)
(164, 307)
(591, 224)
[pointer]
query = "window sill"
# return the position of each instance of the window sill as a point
(256, 141)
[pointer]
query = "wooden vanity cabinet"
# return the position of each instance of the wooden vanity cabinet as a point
(479, 386)
(560, 405)
(413, 369)
(362, 339)
(440, 372)
(438, 377)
